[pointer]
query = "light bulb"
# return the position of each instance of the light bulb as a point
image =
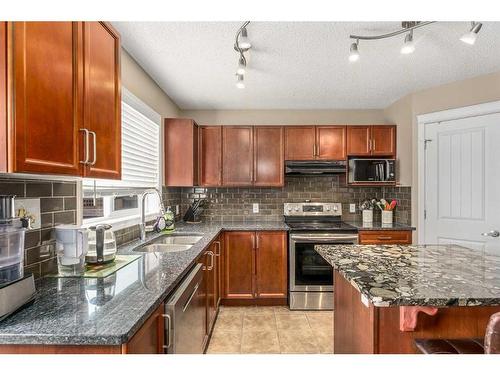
(354, 53)
(471, 36)
(240, 82)
(241, 66)
(408, 46)
(243, 41)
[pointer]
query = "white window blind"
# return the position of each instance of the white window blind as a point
(140, 149)
(141, 166)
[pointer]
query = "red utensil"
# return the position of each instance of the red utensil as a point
(393, 204)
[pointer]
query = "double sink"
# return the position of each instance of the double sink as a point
(171, 243)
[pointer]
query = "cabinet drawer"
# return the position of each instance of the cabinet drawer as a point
(385, 237)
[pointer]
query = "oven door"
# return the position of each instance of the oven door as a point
(309, 272)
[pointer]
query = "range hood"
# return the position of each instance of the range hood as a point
(315, 167)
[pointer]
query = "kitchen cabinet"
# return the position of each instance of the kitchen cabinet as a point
(271, 265)
(315, 143)
(391, 237)
(376, 140)
(181, 152)
(237, 153)
(268, 156)
(102, 98)
(210, 155)
(149, 339)
(300, 142)
(60, 88)
(255, 266)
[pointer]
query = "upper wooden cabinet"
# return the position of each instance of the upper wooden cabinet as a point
(181, 152)
(315, 143)
(210, 155)
(237, 154)
(379, 140)
(102, 98)
(60, 93)
(300, 143)
(268, 156)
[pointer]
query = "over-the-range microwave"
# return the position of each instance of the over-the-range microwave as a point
(372, 170)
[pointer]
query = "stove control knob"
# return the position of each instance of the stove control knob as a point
(296, 209)
(328, 208)
(289, 209)
(335, 208)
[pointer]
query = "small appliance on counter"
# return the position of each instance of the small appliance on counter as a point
(71, 247)
(16, 289)
(102, 245)
(194, 211)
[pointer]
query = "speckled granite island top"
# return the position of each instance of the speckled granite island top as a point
(427, 275)
(78, 311)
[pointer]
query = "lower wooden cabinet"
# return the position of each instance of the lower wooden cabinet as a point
(255, 265)
(385, 237)
(149, 339)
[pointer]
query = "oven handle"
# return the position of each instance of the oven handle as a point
(349, 237)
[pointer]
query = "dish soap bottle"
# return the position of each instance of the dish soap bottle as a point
(169, 220)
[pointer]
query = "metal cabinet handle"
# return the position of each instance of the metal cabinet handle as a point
(86, 144)
(491, 233)
(217, 252)
(256, 241)
(384, 238)
(373, 144)
(94, 136)
(169, 330)
(211, 266)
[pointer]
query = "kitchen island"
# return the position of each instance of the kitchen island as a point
(386, 296)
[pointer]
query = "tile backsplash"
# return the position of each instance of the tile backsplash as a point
(235, 204)
(57, 202)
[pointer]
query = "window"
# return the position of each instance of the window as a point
(115, 201)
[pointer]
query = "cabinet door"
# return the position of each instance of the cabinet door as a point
(384, 140)
(211, 285)
(358, 140)
(300, 143)
(210, 156)
(102, 98)
(271, 265)
(4, 151)
(149, 339)
(46, 105)
(237, 152)
(239, 265)
(331, 142)
(268, 156)
(181, 152)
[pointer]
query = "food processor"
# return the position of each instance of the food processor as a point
(16, 289)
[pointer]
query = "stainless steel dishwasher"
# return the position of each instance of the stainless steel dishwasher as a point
(185, 318)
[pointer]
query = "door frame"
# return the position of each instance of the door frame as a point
(440, 116)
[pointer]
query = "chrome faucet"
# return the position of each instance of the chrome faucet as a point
(142, 225)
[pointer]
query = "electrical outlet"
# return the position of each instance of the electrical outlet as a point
(177, 209)
(255, 208)
(352, 208)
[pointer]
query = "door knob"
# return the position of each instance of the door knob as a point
(491, 233)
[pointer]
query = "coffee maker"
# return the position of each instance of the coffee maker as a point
(16, 289)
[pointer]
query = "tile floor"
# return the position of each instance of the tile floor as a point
(268, 329)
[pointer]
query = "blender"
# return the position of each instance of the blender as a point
(16, 289)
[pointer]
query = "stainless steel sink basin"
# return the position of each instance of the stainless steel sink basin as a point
(163, 248)
(179, 240)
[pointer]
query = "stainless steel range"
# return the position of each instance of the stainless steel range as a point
(310, 276)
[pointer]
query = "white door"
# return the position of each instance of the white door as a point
(462, 182)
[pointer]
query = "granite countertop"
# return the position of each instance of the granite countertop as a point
(422, 275)
(379, 226)
(83, 311)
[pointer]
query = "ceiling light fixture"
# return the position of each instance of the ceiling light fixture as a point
(408, 46)
(407, 28)
(240, 81)
(354, 52)
(241, 45)
(471, 36)
(242, 64)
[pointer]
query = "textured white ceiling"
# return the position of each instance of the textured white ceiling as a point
(303, 65)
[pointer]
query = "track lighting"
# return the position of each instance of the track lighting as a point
(240, 81)
(471, 36)
(354, 53)
(408, 46)
(243, 41)
(242, 65)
